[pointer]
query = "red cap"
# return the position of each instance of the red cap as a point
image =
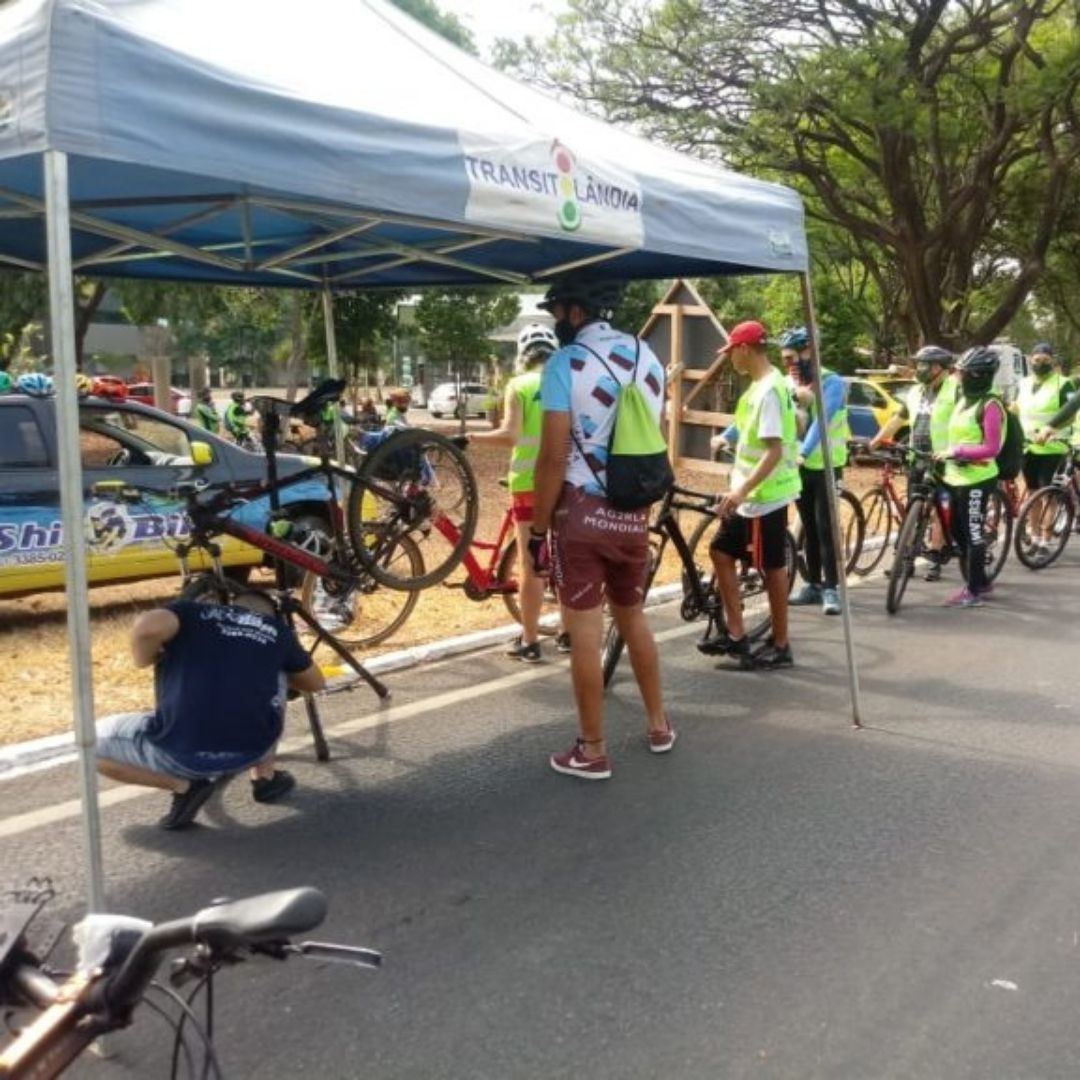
(746, 333)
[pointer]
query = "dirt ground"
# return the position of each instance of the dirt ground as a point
(34, 671)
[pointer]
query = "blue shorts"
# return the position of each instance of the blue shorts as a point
(123, 738)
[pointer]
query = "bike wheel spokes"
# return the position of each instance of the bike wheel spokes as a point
(909, 545)
(877, 516)
(1043, 527)
(416, 484)
(997, 529)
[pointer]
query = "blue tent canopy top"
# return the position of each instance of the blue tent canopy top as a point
(343, 146)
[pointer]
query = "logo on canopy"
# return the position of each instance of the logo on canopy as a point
(547, 187)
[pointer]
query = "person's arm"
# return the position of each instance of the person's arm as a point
(309, 681)
(507, 433)
(992, 422)
(892, 426)
(153, 630)
(729, 503)
(555, 440)
(832, 390)
(1064, 415)
(301, 672)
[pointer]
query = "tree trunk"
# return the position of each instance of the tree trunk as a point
(296, 347)
(84, 317)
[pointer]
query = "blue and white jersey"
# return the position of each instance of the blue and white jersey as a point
(575, 381)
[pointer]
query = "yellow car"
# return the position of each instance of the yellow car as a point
(872, 403)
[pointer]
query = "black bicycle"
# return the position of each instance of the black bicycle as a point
(699, 594)
(119, 959)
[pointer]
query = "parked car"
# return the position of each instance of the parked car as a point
(872, 403)
(179, 400)
(137, 444)
(476, 400)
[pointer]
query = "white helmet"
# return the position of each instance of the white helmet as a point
(536, 334)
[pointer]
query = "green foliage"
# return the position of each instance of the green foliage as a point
(365, 324)
(636, 305)
(23, 298)
(454, 324)
(442, 22)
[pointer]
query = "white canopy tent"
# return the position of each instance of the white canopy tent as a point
(331, 147)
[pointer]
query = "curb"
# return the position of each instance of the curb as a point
(50, 752)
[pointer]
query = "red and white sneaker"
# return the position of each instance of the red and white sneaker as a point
(660, 742)
(573, 762)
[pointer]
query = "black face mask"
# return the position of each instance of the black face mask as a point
(564, 331)
(1042, 367)
(924, 373)
(805, 368)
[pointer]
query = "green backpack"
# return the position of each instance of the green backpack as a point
(638, 468)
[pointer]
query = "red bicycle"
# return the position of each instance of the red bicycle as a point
(883, 509)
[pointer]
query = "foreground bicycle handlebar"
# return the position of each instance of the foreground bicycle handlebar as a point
(119, 959)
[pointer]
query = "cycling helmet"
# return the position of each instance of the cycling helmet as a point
(977, 368)
(110, 388)
(535, 335)
(597, 298)
(237, 396)
(84, 385)
(934, 354)
(6, 383)
(35, 384)
(798, 337)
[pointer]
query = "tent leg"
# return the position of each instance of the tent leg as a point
(62, 324)
(332, 363)
(834, 507)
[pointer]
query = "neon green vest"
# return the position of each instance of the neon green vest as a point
(526, 388)
(940, 411)
(1039, 401)
(236, 420)
(839, 433)
(208, 417)
(965, 430)
(783, 482)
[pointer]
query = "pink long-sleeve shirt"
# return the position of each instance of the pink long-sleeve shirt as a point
(992, 422)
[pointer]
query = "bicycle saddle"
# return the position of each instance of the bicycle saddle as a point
(328, 391)
(268, 917)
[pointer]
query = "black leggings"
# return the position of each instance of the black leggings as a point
(814, 513)
(969, 506)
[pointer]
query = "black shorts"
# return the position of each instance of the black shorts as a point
(1039, 469)
(736, 534)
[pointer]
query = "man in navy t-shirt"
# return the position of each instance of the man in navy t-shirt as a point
(221, 679)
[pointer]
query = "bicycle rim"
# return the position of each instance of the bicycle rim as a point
(852, 529)
(1049, 511)
(365, 615)
(416, 484)
(509, 573)
(907, 549)
(998, 530)
(878, 523)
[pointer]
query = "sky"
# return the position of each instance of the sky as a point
(491, 19)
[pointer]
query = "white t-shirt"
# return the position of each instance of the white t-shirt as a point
(770, 426)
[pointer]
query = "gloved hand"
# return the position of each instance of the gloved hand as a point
(540, 553)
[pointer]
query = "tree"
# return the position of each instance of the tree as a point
(442, 22)
(365, 324)
(454, 324)
(939, 135)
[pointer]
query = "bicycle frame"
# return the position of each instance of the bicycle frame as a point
(482, 577)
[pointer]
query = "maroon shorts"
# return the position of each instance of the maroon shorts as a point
(598, 551)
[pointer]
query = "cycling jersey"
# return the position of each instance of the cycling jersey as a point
(526, 389)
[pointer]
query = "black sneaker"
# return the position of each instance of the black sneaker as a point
(739, 650)
(268, 789)
(529, 654)
(562, 643)
(186, 805)
(716, 644)
(770, 655)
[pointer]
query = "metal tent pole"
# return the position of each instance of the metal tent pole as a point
(833, 501)
(62, 324)
(332, 363)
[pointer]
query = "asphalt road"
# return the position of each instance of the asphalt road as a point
(780, 897)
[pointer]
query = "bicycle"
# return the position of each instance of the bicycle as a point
(883, 508)
(929, 496)
(1048, 516)
(852, 529)
(699, 594)
(118, 960)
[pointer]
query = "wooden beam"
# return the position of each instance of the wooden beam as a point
(699, 416)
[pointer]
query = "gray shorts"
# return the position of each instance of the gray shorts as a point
(123, 738)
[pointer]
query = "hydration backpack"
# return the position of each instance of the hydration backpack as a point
(1010, 458)
(638, 468)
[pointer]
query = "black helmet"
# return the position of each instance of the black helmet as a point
(597, 298)
(237, 395)
(978, 361)
(205, 394)
(934, 354)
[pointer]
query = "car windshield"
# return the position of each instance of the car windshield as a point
(106, 433)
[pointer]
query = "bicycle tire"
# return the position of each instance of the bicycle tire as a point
(374, 614)
(998, 511)
(508, 571)
(417, 483)
(907, 549)
(612, 647)
(1055, 503)
(878, 528)
(853, 530)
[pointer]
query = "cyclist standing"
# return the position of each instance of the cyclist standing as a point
(822, 584)
(927, 408)
(206, 414)
(976, 434)
(600, 553)
(764, 482)
(521, 425)
(238, 417)
(398, 401)
(1042, 395)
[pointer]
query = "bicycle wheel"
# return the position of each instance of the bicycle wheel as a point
(852, 529)
(361, 614)
(611, 648)
(878, 527)
(1043, 527)
(507, 578)
(416, 484)
(998, 530)
(908, 546)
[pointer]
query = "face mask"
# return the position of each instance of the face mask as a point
(805, 368)
(924, 374)
(1042, 367)
(564, 331)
